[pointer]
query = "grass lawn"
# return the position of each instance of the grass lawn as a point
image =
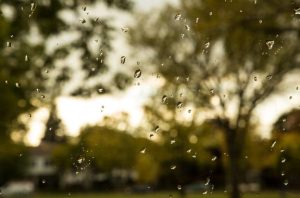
(158, 195)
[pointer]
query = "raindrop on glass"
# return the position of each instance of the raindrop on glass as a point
(123, 59)
(8, 44)
(187, 27)
(179, 105)
(270, 44)
(137, 73)
(177, 17)
(143, 151)
(269, 77)
(164, 99)
(124, 29)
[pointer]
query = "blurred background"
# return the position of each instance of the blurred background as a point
(149, 98)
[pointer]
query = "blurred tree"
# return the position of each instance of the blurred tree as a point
(226, 57)
(35, 65)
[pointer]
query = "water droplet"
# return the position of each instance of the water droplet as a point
(204, 193)
(17, 85)
(177, 17)
(80, 160)
(100, 90)
(173, 167)
(197, 20)
(123, 59)
(26, 58)
(283, 160)
(297, 11)
(156, 129)
(286, 182)
(179, 187)
(272, 146)
(164, 99)
(214, 158)
(43, 181)
(179, 105)
(125, 29)
(269, 77)
(32, 6)
(189, 151)
(206, 45)
(137, 73)
(8, 44)
(270, 44)
(143, 151)
(187, 27)
(173, 141)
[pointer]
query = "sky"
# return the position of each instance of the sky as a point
(78, 112)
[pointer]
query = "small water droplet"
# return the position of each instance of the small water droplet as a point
(206, 45)
(143, 151)
(173, 167)
(164, 99)
(26, 58)
(197, 20)
(270, 44)
(17, 85)
(123, 59)
(283, 160)
(187, 27)
(156, 129)
(125, 29)
(43, 181)
(189, 151)
(269, 77)
(173, 141)
(179, 105)
(177, 17)
(137, 73)
(286, 182)
(8, 44)
(214, 158)
(273, 144)
(100, 90)
(179, 187)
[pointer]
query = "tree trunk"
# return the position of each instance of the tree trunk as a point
(234, 152)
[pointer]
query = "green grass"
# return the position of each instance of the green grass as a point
(159, 195)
